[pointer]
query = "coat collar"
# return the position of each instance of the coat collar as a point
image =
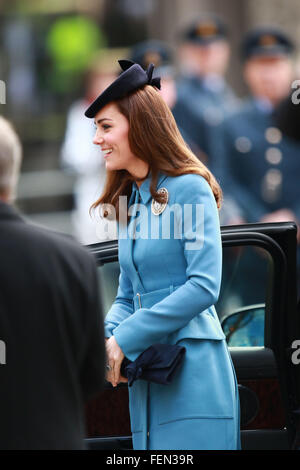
(8, 212)
(144, 189)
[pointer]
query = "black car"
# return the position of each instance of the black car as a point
(258, 312)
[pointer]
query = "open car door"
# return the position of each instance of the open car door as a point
(258, 311)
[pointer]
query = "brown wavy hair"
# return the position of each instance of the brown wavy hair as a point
(154, 138)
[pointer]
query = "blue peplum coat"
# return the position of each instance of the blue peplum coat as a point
(170, 274)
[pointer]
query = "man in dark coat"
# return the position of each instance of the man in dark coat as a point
(51, 327)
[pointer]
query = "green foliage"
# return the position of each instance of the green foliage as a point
(71, 42)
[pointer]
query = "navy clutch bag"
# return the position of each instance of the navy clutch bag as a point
(157, 364)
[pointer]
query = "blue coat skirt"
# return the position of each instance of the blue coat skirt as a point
(167, 290)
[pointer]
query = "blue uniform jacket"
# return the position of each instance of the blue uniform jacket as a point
(200, 108)
(169, 282)
(256, 165)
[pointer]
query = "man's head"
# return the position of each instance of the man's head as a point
(268, 67)
(10, 160)
(205, 48)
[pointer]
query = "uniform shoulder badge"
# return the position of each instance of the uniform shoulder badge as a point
(158, 207)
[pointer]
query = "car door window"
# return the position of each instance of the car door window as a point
(108, 275)
(246, 281)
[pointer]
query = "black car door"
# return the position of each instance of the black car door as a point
(258, 311)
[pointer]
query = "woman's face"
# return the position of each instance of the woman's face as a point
(112, 135)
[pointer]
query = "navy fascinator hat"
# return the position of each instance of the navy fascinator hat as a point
(132, 78)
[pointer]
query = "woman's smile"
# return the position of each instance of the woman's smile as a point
(106, 152)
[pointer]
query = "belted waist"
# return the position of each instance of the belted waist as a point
(205, 325)
(148, 299)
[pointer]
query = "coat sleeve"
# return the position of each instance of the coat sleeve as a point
(201, 243)
(122, 306)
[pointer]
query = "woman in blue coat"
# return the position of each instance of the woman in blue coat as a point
(170, 254)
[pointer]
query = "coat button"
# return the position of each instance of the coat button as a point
(148, 434)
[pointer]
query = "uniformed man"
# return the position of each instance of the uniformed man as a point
(204, 97)
(256, 164)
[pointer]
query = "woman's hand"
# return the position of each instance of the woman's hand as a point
(114, 357)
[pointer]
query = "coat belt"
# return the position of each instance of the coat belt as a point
(148, 299)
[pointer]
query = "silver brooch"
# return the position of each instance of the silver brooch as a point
(158, 207)
(107, 211)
